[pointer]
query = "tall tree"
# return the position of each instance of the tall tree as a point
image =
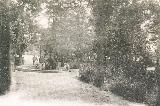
(5, 79)
(67, 17)
(22, 27)
(122, 33)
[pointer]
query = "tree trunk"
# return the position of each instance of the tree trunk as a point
(20, 59)
(158, 75)
(5, 79)
(158, 93)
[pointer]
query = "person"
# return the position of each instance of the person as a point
(58, 65)
(67, 67)
(34, 59)
(42, 63)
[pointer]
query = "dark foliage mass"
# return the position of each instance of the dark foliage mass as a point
(4, 49)
(121, 45)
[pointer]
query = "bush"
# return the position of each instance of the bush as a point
(99, 80)
(87, 72)
(140, 86)
(74, 65)
(142, 91)
(130, 91)
(91, 73)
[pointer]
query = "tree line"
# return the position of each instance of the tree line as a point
(120, 37)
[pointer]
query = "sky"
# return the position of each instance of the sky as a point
(42, 19)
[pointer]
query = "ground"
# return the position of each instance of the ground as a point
(57, 88)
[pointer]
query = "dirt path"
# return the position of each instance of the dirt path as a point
(47, 88)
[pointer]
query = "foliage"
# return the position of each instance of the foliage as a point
(5, 78)
(22, 26)
(122, 29)
(64, 37)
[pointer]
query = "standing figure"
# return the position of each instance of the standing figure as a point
(34, 59)
(42, 63)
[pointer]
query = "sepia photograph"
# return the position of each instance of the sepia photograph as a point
(79, 52)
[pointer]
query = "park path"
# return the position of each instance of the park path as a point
(57, 88)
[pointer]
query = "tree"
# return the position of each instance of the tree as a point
(64, 36)
(5, 79)
(23, 28)
(10, 17)
(121, 34)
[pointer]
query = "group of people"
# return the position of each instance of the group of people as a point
(48, 63)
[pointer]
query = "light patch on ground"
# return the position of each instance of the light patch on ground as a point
(15, 100)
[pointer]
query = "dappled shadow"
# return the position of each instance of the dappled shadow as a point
(130, 94)
(29, 70)
(40, 71)
(49, 71)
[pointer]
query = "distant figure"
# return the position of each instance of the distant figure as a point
(58, 65)
(34, 59)
(67, 67)
(42, 63)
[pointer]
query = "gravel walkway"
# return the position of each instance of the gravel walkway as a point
(57, 88)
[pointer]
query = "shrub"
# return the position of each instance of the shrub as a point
(140, 86)
(74, 65)
(142, 90)
(91, 73)
(87, 72)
